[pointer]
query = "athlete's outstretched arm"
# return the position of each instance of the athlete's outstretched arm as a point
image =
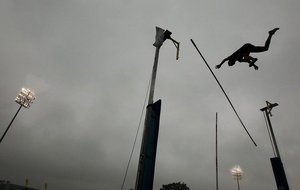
(219, 65)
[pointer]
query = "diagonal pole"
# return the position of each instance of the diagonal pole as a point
(10, 123)
(224, 93)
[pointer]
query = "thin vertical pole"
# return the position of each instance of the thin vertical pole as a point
(10, 123)
(153, 78)
(272, 134)
(278, 169)
(217, 172)
(140, 173)
(145, 132)
(151, 127)
(238, 184)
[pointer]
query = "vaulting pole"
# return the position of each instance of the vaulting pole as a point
(224, 93)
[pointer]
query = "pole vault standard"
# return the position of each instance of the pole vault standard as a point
(161, 36)
(278, 169)
(224, 93)
(146, 167)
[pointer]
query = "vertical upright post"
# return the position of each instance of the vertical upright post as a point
(217, 169)
(238, 183)
(267, 111)
(146, 167)
(27, 182)
(272, 134)
(153, 77)
(278, 169)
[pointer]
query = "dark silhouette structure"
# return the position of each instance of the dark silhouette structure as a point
(175, 186)
(146, 169)
(279, 174)
(243, 54)
(6, 185)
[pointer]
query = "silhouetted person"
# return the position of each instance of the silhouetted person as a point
(243, 54)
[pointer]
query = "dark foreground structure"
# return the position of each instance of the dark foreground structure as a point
(279, 174)
(6, 185)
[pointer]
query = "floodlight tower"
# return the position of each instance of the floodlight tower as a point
(24, 99)
(278, 169)
(146, 166)
(236, 173)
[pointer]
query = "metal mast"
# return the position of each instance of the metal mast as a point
(146, 167)
(278, 170)
(161, 36)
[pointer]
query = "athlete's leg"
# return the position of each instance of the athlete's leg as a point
(257, 49)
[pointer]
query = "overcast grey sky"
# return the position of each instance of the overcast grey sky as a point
(89, 63)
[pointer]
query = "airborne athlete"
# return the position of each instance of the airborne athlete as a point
(243, 54)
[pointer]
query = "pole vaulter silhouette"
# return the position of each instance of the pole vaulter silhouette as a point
(243, 54)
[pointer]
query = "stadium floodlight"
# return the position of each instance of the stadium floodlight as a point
(24, 99)
(237, 173)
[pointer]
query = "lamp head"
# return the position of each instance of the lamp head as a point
(25, 98)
